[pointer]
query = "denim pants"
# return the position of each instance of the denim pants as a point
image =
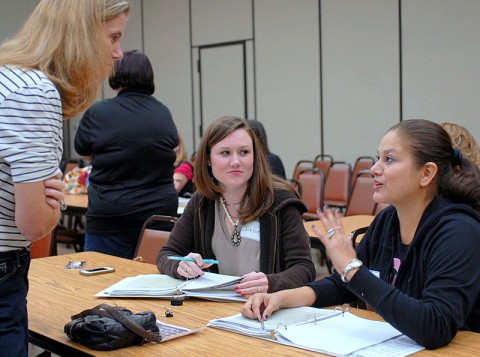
(120, 245)
(14, 267)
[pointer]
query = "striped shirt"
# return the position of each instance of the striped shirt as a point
(30, 140)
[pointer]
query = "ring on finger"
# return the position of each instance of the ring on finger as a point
(331, 232)
(185, 269)
(258, 288)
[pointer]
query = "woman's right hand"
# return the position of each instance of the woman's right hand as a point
(193, 269)
(54, 191)
(261, 306)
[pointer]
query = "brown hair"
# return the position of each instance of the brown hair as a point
(65, 40)
(261, 185)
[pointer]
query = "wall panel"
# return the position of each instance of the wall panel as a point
(287, 67)
(167, 44)
(216, 21)
(360, 75)
(441, 40)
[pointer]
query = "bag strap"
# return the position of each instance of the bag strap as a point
(131, 325)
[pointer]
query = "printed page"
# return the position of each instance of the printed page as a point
(145, 285)
(400, 346)
(212, 281)
(340, 335)
(161, 284)
(278, 320)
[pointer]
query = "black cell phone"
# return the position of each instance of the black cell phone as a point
(96, 271)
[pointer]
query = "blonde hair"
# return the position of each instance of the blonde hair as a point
(464, 141)
(181, 153)
(65, 40)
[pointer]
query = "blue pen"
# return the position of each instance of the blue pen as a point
(206, 261)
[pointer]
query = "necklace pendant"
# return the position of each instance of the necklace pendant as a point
(236, 239)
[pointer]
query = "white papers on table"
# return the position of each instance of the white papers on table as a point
(333, 332)
(208, 286)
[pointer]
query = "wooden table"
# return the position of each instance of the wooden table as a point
(57, 293)
(350, 223)
(76, 203)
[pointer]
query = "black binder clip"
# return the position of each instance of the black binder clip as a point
(178, 298)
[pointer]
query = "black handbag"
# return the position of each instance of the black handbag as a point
(108, 328)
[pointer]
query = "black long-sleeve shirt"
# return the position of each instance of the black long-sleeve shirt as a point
(131, 138)
(437, 288)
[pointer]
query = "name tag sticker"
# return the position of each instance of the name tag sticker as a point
(251, 231)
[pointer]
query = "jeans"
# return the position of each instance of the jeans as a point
(120, 245)
(13, 303)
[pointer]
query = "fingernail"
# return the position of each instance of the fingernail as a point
(325, 206)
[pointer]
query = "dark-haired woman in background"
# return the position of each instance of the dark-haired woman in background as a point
(276, 164)
(130, 140)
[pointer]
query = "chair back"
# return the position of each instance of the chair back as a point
(357, 235)
(323, 162)
(362, 163)
(41, 248)
(312, 182)
(361, 198)
(152, 240)
(301, 166)
(337, 185)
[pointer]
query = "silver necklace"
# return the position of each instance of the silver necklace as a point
(236, 239)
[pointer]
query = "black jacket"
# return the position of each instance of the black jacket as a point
(437, 289)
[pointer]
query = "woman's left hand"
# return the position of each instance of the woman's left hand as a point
(54, 191)
(337, 243)
(252, 283)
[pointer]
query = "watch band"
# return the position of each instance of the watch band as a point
(353, 264)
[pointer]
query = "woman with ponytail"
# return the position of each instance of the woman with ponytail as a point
(417, 265)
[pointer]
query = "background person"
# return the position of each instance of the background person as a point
(49, 71)
(129, 140)
(183, 172)
(276, 164)
(248, 219)
(417, 265)
(464, 140)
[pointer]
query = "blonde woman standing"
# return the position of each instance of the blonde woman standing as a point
(49, 71)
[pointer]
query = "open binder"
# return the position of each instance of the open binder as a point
(209, 286)
(335, 332)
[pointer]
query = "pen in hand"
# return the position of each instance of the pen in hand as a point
(188, 259)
